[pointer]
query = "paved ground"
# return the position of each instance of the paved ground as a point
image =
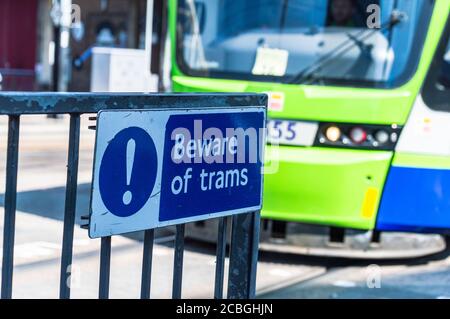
(43, 154)
(37, 256)
(425, 278)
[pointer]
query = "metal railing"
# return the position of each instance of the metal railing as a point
(245, 227)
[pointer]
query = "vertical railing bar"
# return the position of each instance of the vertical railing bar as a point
(233, 284)
(178, 262)
(243, 256)
(70, 206)
(254, 252)
(220, 257)
(105, 267)
(149, 236)
(12, 159)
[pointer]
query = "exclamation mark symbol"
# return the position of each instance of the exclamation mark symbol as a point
(131, 148)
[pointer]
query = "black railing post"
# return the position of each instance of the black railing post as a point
(105, 268)
(70, 206)
(12, 159)
(221, 250)
(178, 262)
(243, 256)
(149, 236)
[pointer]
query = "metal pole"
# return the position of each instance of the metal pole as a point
(70, 206)
(10, 206)
(64, 56)
(220, 257)
(62, 20)
(105, 267)
(149, 38)
(243, 256)
(55, 69)
(178, 262)
(149, 236)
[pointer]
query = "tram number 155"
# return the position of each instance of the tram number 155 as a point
(291, 132)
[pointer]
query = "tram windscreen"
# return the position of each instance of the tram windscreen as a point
(347, 42)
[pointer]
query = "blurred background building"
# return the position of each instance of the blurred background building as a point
(32, 40)
(18, 44)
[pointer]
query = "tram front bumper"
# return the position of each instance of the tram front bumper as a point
(328, 186)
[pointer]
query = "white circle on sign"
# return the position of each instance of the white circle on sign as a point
(127, 197)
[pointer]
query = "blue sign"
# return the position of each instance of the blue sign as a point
(164, 167)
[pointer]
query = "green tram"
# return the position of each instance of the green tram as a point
(359, 112)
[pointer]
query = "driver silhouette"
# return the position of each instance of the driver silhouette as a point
(341, 13)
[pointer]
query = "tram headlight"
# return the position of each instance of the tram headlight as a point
(333, 133)
(382, 137)
(358, 135)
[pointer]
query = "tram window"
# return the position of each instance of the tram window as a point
(437, 87)
(248, 40)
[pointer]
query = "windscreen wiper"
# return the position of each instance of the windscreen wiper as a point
(308, 74)
(284, 10)
(198, 58)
